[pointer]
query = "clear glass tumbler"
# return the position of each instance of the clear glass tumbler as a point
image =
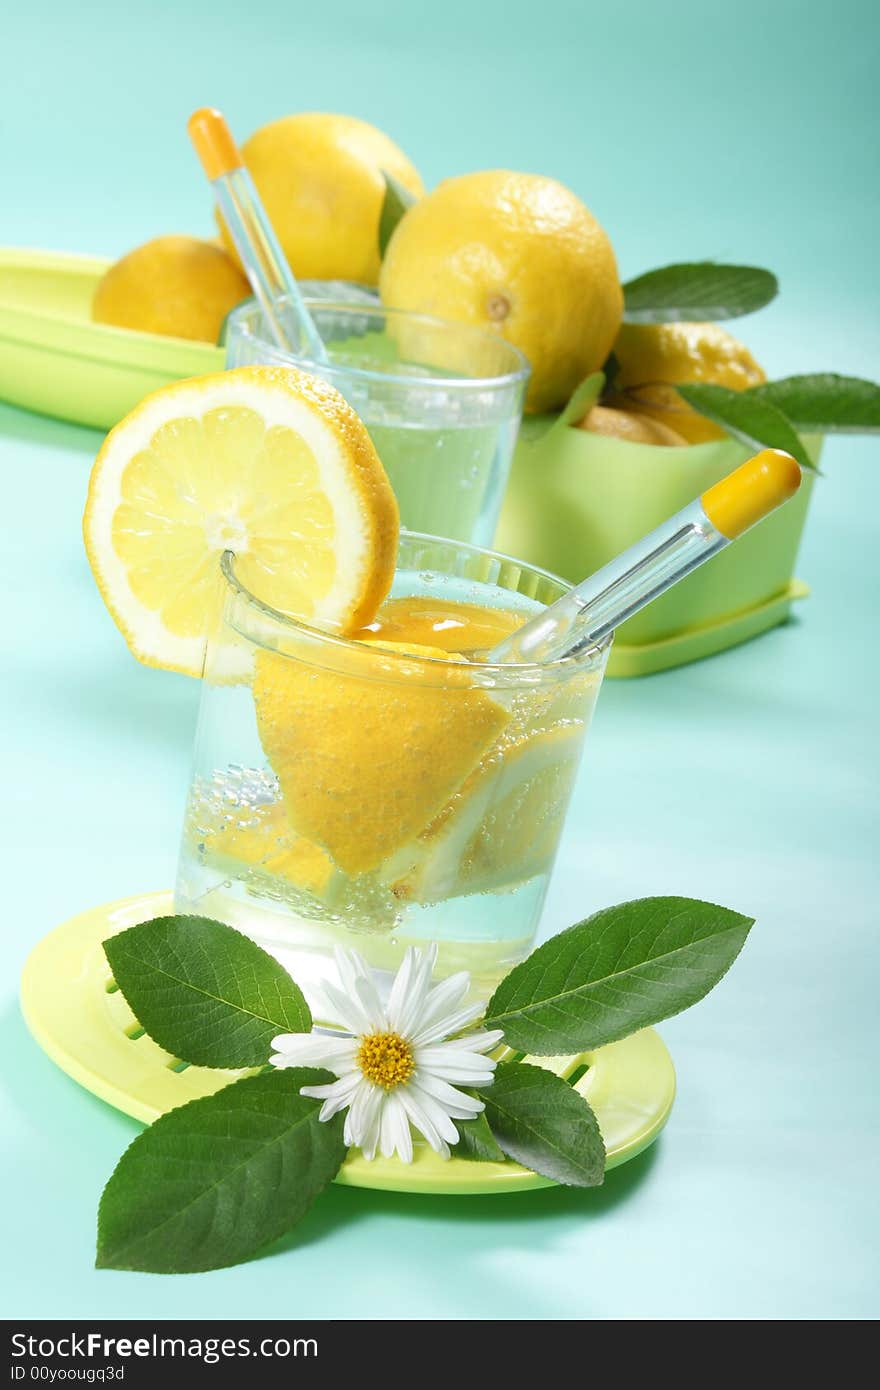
(442, 402)
(349, 792)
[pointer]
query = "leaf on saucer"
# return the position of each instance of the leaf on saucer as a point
(211, 1183)
(544, 1124)
(620, 970)
(204, 992)
(475, 1141)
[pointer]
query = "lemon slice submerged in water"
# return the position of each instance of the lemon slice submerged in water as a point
(501, 828)
(268, 462)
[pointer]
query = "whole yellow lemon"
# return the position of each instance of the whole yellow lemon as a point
(518, 253)
(175, 285)
(320, 178)
(652, 356)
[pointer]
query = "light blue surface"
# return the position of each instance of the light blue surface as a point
(749, 779)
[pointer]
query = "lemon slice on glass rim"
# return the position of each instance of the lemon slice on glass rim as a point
(266, 461)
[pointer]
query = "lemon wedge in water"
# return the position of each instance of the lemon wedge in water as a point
(367, 757)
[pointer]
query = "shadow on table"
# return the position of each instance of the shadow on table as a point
(341, 1207)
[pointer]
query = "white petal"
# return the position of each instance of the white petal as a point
(456, 1103)
(420, 1119)
(363, 1119)
(400, 989)
(345, 969)
(347, 1010)
(442, 1001)
(480, 1040)
(288, 1039)
(337, 1095)
(344, 1086)
(455, 1064)
(313, 1050)
(409, 1012)
(370, 1141)
(450, 1023)
(394, 1133)
(360, 984)
(330, 1108)
(433, 1110)
(318, 1092)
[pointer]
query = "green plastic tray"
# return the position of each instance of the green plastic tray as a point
(576, 500)
(55, 360)
(79, 1018)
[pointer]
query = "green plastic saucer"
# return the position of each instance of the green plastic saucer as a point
(81, 1020)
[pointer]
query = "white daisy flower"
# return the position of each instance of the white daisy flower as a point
(401, 1064)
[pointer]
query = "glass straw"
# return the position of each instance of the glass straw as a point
(592, 610)
(288, 320)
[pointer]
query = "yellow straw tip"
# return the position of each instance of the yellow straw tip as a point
(213, 142)
(751, 492)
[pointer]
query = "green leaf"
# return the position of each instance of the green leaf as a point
(204, 992)
(697, 290)
(620, 970)
(475, 1141)
(544, 1124)
(825, 401)
(755, 422)
(582, 399)
(396, 202)
(212, 1182)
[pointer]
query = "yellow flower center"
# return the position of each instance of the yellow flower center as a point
(386, 1059)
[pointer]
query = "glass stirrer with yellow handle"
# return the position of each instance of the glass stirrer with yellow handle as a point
(588, 613)
(265, 264)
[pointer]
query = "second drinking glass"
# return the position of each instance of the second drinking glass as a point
(442, 403)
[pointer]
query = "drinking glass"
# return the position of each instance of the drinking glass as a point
(345, 792)
(442, 402)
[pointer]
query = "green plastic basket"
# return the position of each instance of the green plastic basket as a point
(576, 500)
(55, 360)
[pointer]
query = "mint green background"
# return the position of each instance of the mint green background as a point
(749, 779)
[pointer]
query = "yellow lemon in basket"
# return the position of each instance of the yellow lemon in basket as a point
(518, 253)
(367, 756)
(321, 181)
(268, 462)
(175, 285)
(653, 356)
(631, 427)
